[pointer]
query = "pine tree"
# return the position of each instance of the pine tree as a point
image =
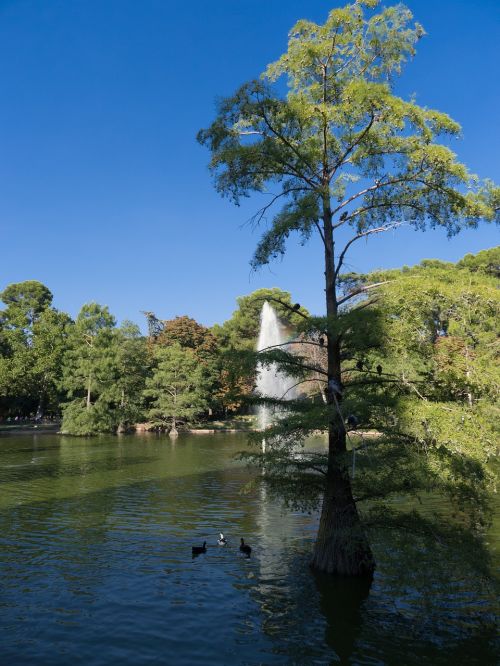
(32, 343)
(124, 394)
(89, 371)
(176, 390)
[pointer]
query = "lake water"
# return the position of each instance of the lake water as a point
(96, 568)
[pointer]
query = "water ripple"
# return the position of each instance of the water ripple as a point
(95, 554)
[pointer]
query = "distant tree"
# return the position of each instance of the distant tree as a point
(242, 330)
(176, 389)
(487, 261)
(25, 302)
(446, 315)
(131, 367)
(341, 151)
(50, 339)
(436, 402)
(189, 334)
(32, 343)
(89, 370)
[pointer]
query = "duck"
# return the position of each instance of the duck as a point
(221, 541)
(244, 548)
(197, 550)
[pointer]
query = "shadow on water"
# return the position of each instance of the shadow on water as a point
(97, 568)
(431, 613)
(30, 473)
(340, 601)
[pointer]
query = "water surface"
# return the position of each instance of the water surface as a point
(95, 556)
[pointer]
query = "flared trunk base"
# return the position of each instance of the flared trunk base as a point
(341, 547)
(345, 553)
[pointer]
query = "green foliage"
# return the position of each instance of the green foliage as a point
(88, 359)
(82, 420)
(191, 335)
(176, 389)
(487, 261)
(421, 379)
(450, 318)
(242, 330)
(131, 367)
(49, 342)
(45, 358)
(25, 302)
(341, 138)
(32, 342)
(104, 372)
(88, 370)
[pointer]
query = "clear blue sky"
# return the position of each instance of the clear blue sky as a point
(104, 192)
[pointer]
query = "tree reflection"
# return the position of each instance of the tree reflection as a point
(341, 602)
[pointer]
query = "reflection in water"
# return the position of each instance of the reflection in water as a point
(341, 600)
(95, 554)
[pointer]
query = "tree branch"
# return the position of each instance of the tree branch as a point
(361, 290)
(257, 217)
(373, 188)
(381, 381)
(364, 234)
(285, 305)
(305, 367)
(293, 149)
(304, 381)
(320, 231)
(292, 342)
(352, 146)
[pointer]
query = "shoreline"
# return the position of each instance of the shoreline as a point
(47, 429)
(43, 429)
(55, 430)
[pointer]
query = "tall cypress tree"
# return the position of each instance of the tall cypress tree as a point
(342, 153)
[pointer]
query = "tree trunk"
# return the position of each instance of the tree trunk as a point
(341, 546)
(88, 391)
(39, 409)
(122, 427)
(173, 432)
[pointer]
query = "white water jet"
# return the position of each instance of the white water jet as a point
(271, 383)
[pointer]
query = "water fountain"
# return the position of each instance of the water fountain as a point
(271, 383)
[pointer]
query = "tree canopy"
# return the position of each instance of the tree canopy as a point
(176, 388)
(341, 136)
(32, 342)
(25, 302)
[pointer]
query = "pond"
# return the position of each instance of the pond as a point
(95, 556)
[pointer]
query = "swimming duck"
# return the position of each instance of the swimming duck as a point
(197, 550)
(244, 548)
(221, 541)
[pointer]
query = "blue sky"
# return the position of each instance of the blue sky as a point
(105, 194)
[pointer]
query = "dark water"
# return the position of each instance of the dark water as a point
(96, 568)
